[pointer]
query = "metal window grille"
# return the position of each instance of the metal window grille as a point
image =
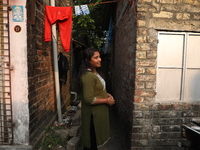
(6, 130)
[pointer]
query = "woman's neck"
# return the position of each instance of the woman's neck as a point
(94, 70)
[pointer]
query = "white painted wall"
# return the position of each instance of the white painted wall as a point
(19, 77)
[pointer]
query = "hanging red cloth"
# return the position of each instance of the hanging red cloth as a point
(63, 17)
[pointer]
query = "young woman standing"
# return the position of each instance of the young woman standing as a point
(95, 102)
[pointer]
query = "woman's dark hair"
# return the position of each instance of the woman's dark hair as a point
(86, 55)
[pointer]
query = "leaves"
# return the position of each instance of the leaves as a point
(89, 26)
(51, 139)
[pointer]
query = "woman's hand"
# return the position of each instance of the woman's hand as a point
(110, 100)
(109, 95)
(107, 100)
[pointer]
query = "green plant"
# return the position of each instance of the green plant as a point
(89, 26)
(51, 139)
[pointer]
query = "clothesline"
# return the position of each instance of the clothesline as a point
(103, 2)
(44, 5)
(87, 4)
(66, 11)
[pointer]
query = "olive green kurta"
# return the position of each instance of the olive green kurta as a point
(92, 87)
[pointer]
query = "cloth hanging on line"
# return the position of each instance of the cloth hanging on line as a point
(63, 17)
(81, 10)
(108, 41)
(63, 66)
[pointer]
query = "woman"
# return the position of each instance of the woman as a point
(95, 102)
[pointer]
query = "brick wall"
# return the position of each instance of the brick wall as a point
(42, 100)
(154, 125)
(123, 67)
(65, 89)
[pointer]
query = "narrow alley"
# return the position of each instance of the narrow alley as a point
(154, 69)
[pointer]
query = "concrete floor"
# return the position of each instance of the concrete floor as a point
(115, 142)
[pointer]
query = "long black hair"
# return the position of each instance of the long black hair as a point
(86, 58)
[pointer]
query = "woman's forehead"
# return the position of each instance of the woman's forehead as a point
(96, 53)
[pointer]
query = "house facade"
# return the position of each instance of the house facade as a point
(155, 70)
(29, 97)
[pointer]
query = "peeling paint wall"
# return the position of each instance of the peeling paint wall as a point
(19, 82)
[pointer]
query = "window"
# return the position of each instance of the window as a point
(178, 67)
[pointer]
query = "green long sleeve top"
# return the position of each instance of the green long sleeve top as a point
(93, 88)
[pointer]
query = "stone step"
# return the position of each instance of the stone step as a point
(74, 131)
(16, 147)
(76, 119)
(73, 143)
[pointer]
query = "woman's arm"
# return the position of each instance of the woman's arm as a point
(108, 100)
(88, 82)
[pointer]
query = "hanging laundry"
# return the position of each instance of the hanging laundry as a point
(63, 17)
(77, 10)
(108, 39)
(63, 66)
(82, 10)
(85, 9)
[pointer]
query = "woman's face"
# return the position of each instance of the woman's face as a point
(96, 60)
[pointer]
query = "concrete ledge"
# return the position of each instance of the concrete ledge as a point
(16, 147)
(74, 131)
(73, 143)
(76, 118)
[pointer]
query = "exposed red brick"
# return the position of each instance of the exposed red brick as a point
(42, 100)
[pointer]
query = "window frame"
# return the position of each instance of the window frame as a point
(184, 70)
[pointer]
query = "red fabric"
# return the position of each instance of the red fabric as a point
(63, 17)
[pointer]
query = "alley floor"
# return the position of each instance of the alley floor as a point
(115, 142)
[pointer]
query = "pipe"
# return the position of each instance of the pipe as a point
(56, 71)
